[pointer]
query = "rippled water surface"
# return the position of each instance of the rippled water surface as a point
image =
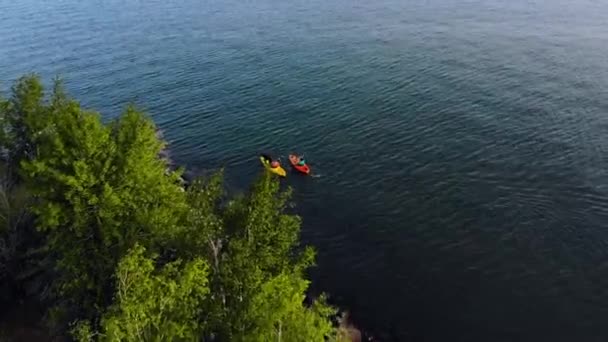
(461, 145)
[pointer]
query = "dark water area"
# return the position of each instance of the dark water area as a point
(460, 146)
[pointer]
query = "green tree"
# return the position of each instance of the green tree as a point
(25, 266)
(151, 305)
(277, 313)
(16, 236)
(135, 257)
(259, 258)
(23, 111)
(99, 189)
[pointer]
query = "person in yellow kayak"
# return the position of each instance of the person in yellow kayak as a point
(273, 163)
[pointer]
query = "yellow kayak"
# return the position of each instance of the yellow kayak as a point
(276, 170)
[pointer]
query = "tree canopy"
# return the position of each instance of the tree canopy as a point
(133, 254)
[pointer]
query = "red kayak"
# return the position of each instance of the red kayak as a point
(294, 162)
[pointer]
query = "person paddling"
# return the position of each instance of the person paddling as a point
(273, 163)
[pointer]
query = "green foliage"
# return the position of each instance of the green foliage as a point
(22, 113)
(15, 234)
(4, 140)
(260, 259)
(204, 232)
(277, 313)
(107, 205)
(154, 305)
(98, 189)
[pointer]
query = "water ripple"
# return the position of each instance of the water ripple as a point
(460, 146)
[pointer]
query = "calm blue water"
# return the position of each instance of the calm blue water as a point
(461, 145)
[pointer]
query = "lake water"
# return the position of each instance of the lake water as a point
(460, 145)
